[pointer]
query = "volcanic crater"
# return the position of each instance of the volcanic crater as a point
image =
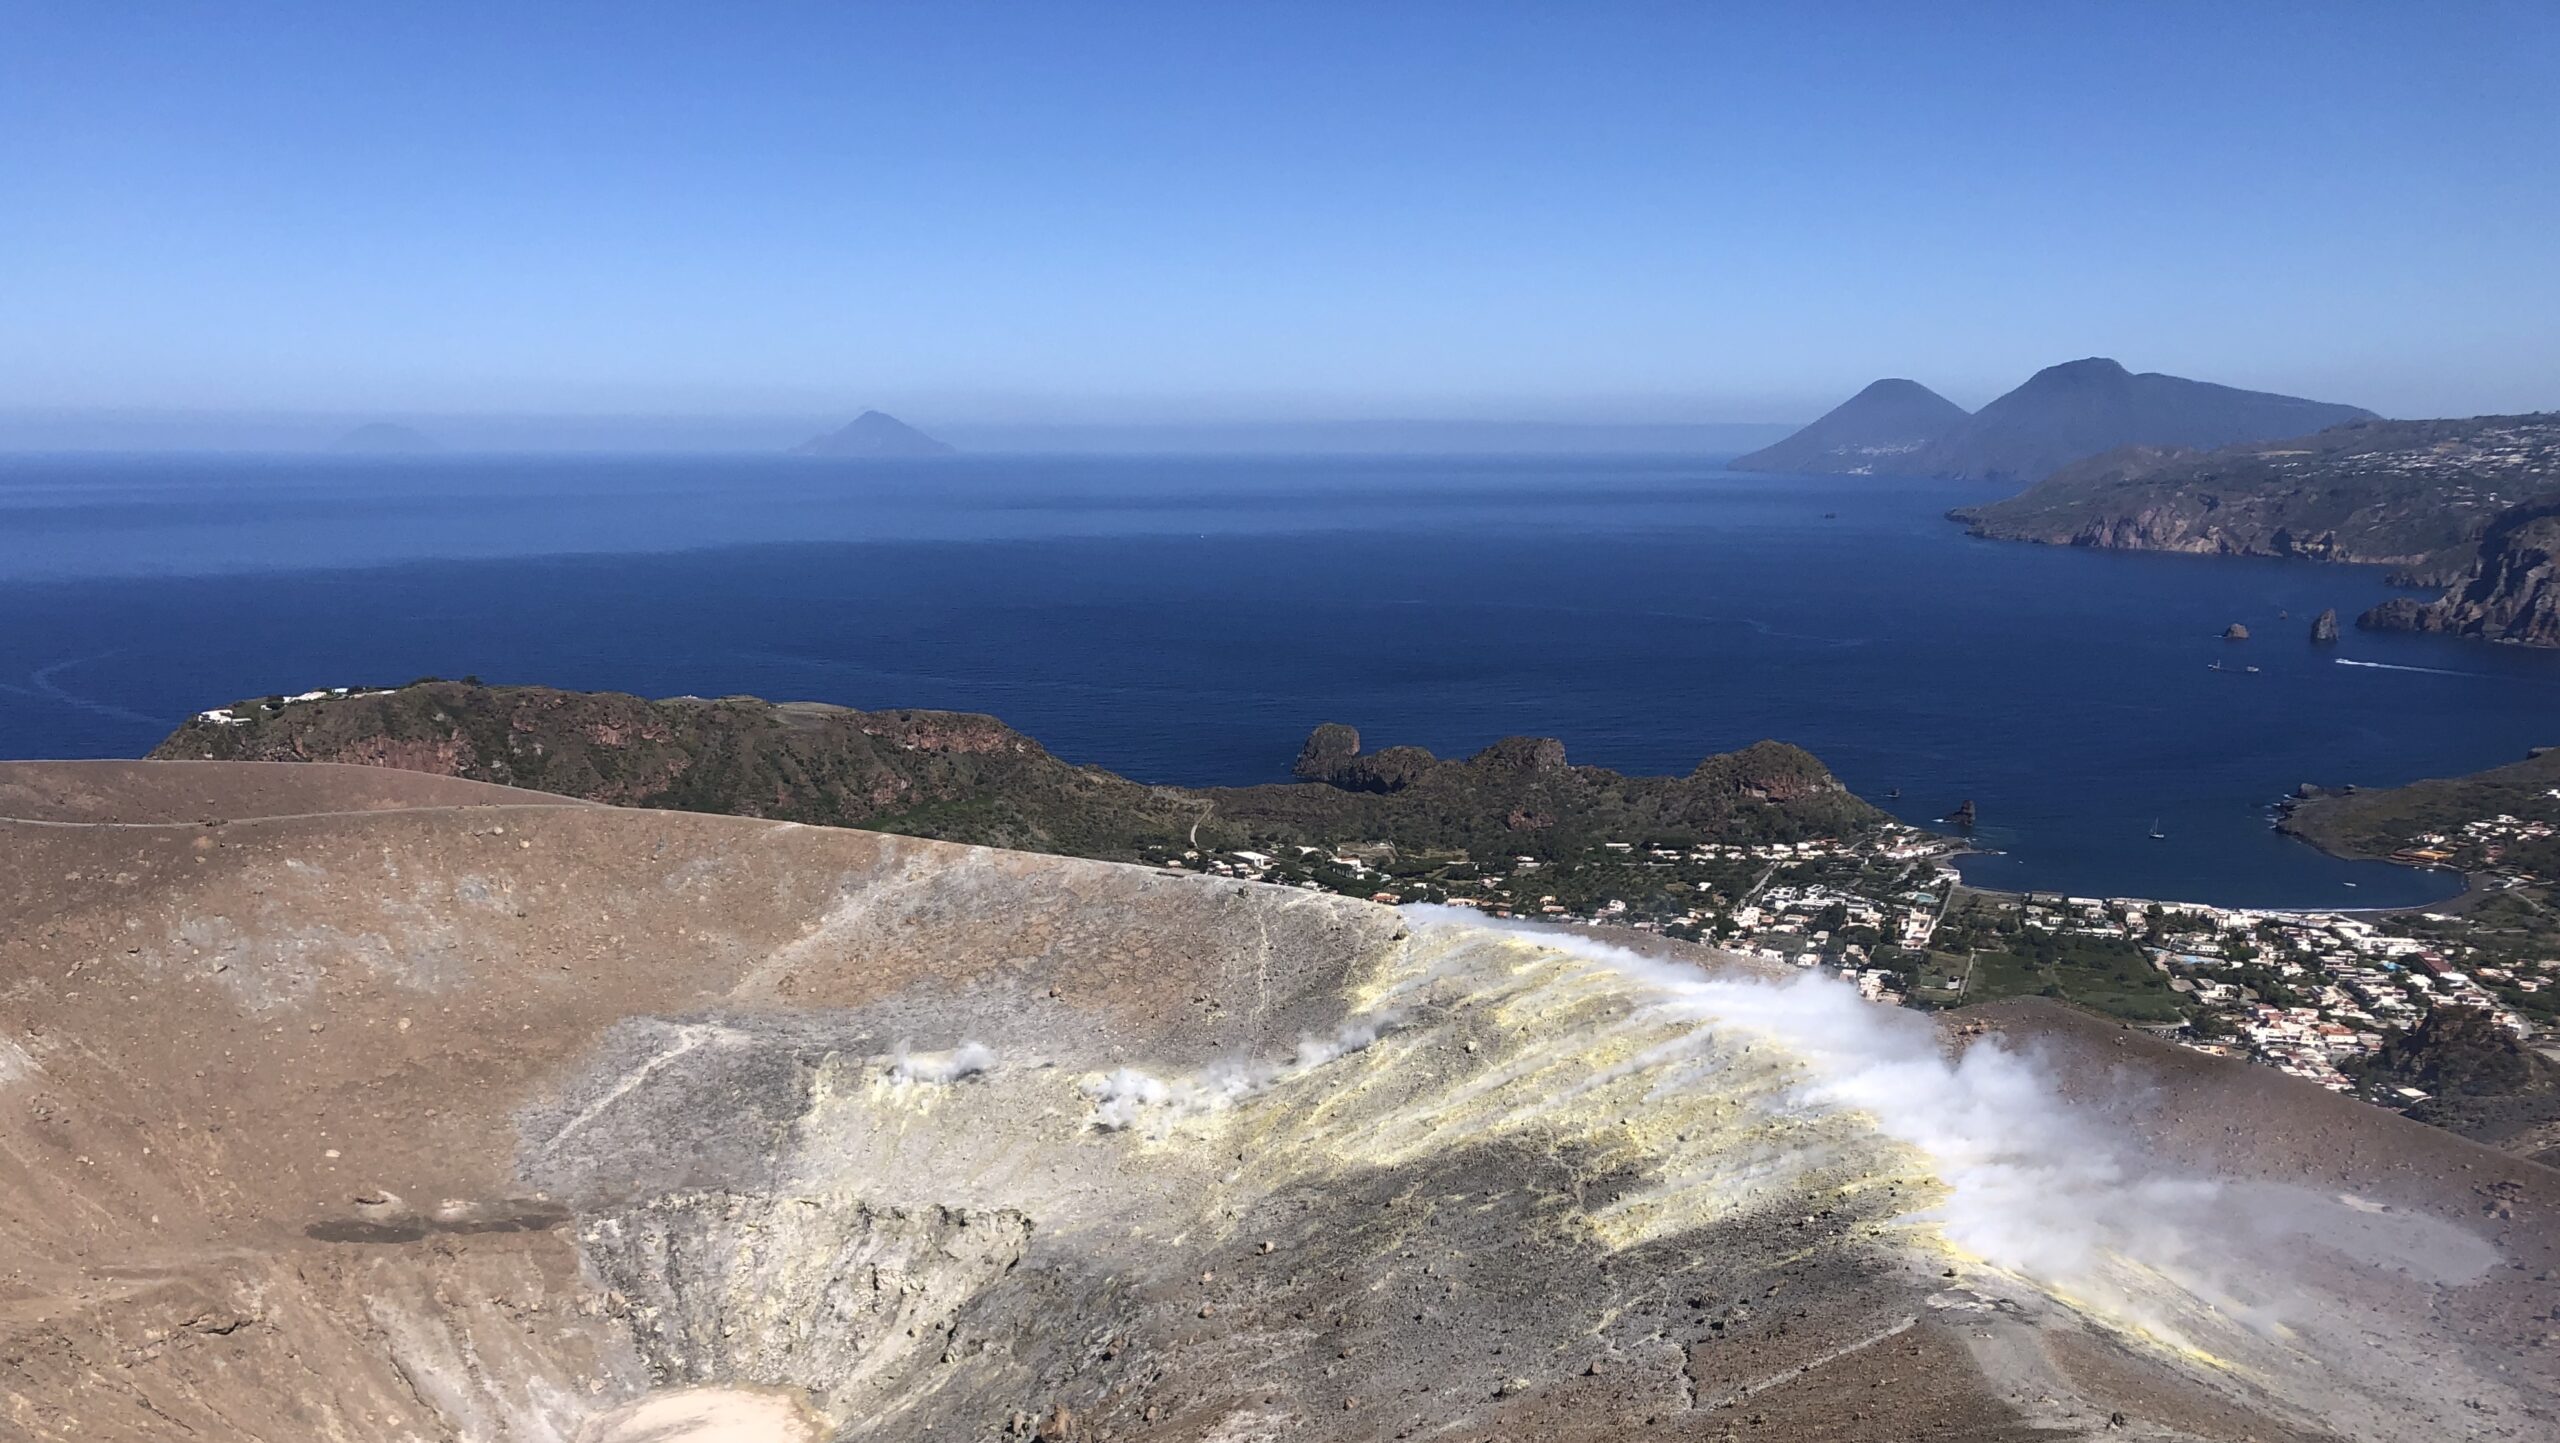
(346, 1103)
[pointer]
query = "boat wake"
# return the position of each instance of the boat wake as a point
(2395, 666)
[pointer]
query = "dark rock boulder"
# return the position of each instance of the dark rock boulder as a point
(1522, 754)
(2235, 632)
(2324, 628)
(2400, 613)
(1328, 748)
(1391, 770)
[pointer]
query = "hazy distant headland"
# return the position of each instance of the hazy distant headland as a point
(2061, 414)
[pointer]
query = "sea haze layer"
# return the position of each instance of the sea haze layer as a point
(1188, 620)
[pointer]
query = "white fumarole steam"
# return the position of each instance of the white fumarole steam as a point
(2033, 1184)
(1123, 1096)
(940, 1068)
(1755, 1086)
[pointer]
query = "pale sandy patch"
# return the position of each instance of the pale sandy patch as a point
(707, 1415)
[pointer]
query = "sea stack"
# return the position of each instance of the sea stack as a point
(2235, 632)
(1962, 816)
(2324, 628)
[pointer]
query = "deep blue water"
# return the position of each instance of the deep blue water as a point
(1188, 620)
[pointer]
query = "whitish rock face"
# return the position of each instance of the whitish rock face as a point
(568, 1123)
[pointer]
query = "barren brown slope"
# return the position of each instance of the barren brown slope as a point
(208, 792)
(502, 1123)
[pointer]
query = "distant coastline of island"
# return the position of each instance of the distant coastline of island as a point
(2466, 506)
(2118, 461)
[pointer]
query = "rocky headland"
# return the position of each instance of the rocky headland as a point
(970, 778)
(2509, 592)
(2418, 495)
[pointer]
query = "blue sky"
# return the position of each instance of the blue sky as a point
(1052, 212)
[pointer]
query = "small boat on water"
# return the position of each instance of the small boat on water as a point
(2158, 835)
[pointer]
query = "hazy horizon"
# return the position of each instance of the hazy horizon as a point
(287, 433)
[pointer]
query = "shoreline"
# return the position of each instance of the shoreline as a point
(2472, 890)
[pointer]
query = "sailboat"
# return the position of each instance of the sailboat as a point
(2158, 835)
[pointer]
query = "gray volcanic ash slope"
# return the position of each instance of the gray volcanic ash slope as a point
(454, 1112)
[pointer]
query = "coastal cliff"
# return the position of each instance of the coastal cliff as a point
(2511, 592)
(2413, 494)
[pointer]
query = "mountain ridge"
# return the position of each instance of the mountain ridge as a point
(2077, 409)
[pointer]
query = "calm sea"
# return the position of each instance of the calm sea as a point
(1188, 620)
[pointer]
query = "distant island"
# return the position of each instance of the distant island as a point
(873, 434)
(1880, 429)
(382, 438)
(2062, 414)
